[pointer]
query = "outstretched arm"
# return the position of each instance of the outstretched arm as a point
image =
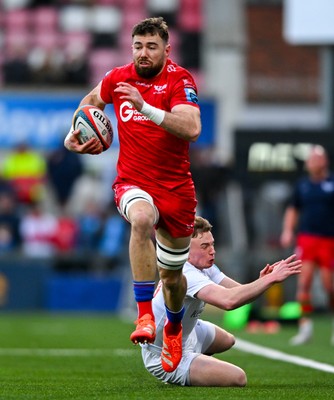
(231, 298)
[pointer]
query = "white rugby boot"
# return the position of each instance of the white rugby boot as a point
(305, 333)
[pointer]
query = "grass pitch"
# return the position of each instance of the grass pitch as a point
(77, 356)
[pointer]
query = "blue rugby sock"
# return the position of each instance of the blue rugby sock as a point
(143, 295)
(173, 321)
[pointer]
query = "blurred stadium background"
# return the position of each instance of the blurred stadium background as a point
(264, 70)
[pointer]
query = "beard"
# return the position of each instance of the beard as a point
(148, 72)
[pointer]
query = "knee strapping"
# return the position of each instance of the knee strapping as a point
(169, 258)
(132, 196)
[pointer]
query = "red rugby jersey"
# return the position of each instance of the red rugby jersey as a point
(149, 155)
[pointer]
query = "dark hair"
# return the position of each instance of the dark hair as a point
(152, 26)
(201, 225)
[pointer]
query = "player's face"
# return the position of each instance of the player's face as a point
(202, 251)
(150, 54)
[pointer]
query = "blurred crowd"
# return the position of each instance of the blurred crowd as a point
(75, 42)
(51, 206)
(56, 204)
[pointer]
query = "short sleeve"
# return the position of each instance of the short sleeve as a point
(197, 279)
(107, 88)
(184, 90)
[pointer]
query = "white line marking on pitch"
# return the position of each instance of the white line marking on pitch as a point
(240, 344)
(258, 350)
(65, 352)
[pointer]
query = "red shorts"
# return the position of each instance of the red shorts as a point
(176, 209)
(317, 249)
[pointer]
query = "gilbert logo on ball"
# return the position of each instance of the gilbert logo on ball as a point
(93, 123)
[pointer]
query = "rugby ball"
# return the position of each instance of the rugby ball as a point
(93, 123)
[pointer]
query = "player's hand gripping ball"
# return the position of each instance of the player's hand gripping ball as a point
(93, 123)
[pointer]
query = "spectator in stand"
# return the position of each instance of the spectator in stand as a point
(39, 232)
(112, 244)
(90, 226)
(16, 70)
(66, 234)
(76, 66)
(6, 187)
(63, 170)
(46, 65)
(10, 238)
(25, 169)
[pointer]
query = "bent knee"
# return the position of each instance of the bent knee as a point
(231, 340)
(142, 222)
(240, 378)
(243, 379)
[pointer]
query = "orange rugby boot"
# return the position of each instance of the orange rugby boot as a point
(145, 330)
(171, 351)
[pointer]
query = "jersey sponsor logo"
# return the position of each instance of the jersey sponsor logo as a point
(171, 68)
(191, 94)
(159, 89)
(138, 83)
(127, 112)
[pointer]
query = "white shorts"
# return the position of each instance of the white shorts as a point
(199, 340)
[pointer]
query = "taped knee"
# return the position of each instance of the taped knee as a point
(132, 196)
(172, 259)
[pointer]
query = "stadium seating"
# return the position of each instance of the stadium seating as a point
(17, 20)
(100, 30)
(101, 61)
(45, 19)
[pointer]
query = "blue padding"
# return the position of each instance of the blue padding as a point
(82, 293)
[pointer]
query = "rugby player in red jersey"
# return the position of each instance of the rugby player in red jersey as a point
(155, 103)
(309, 223)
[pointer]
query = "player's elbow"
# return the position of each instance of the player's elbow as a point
(193, 132)
(194, 135)
(194, 128)
(230, 304)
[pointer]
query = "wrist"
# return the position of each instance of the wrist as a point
(154, 114)
(68, 137)
(269, 279)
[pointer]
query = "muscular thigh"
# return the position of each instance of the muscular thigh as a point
(175, 209)
(177, 212)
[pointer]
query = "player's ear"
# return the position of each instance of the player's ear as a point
(168, 49)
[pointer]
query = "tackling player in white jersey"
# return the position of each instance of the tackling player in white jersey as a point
(201, 339)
